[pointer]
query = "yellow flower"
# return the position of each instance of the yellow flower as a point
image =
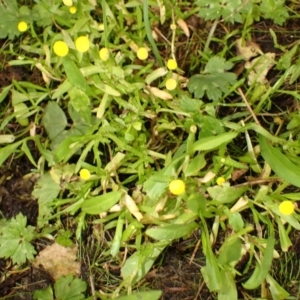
(82, 44)
(22, 26)
(84, 174)
(101, 27)
(172, 64)
(104, 54)
(177, 187)
(142, 53)
(67, 2)
(220, 181)
(286, 207)
(73, 10)
(171, 84)
(60, 48)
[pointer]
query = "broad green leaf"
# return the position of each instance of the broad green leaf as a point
(140, 262)
(236, 221)
(228, 290)
(74, 75)
(230, 251)
(46, 294)
(151, 295)
(279, 163)
(15, 238)
(45, 190)
(171, 231)
(54, 120)
(215, 86)
(67, 288)
(217, 64)
(20, 110)
(81, 103)
(226, 194)
(196, 203)
(209, 143)
(262, 268)
(102, 203)
(195, 165)
(277, 291)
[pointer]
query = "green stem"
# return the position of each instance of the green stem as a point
(149, 34)
(210, 35)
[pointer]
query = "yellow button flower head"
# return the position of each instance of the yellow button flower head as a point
(22, 26)
(82, 44)
(172, 64)
(84, 174)
(104, 54)
(73, 10)
(67, 2)
(286, 207)
(60, 48)
(142, 53)
(177, 187)
(171, 84)
(220, 181)
(101, 27)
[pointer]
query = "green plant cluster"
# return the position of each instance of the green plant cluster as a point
(109, 136)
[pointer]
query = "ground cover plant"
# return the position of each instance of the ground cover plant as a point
(149, 149)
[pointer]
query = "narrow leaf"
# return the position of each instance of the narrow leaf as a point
(212, 142)
(262, 269)
(279, 163)
(171, 231)
(99, 204)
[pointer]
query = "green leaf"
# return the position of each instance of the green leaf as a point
(279, 163)
(212, 142)
(236, 221)
(54, 112)
(275, 10)
(228, 290)
(285, 241)
(277, 291)
(151, 295)
(262, 268)
(11, 15)
(7, 138)
(140, 262)
(45, 190)
(21, 110)
(195, 165)
(226, 194)
(46, 294)
(217, 65)
(69, 288)
(81, 103)
(15, 238)
(225, 9)
(171, 231)
(99, 204)
(6, 151)
(74, 75)
(230, 251)
(213, 85)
